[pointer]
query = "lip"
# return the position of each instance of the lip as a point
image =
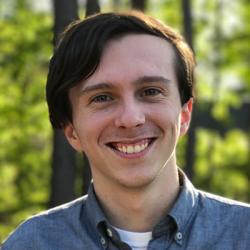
(151, 141)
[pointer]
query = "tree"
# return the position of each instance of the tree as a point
(139, 4)
(92, 7)
(63, 157)
(191, 137)
(24, 128)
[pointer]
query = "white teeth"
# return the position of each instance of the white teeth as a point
(131, 149)
(137, 148)
(123, 149)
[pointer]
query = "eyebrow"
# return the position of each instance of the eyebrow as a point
(98, 86)
(151, 79)
(139, 81)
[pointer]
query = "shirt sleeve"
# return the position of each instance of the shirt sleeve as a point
(22, 238)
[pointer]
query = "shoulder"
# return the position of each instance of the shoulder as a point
(219, 223)
(208, 200)
(221, 212)
(63, 211)
(37, 229)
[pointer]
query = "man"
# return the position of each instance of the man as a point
(121, 88)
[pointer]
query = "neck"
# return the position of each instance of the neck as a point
(139, 209)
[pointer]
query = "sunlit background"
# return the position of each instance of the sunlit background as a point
(220, 160)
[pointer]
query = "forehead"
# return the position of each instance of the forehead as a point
(141, 48)
(132, 56)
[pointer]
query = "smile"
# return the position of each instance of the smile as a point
(131, 147)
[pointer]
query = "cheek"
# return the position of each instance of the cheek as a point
(168, 119)
(166, 114)
(90, 126)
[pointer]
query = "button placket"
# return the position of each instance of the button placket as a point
(178, 237)
(109, 232)
(103, 242)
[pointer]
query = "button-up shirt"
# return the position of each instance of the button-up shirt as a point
(197, 221)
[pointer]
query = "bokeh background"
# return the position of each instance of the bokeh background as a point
(39, 170)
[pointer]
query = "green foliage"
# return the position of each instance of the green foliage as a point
(222, 163)
(168, 11)
(24, 127)
(222, 51)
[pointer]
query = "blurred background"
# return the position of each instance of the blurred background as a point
(39, 170)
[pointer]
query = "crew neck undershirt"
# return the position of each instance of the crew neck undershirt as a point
(136, 240)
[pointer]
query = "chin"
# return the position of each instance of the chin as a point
(136, 182)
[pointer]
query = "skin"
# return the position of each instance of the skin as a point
(131, 100)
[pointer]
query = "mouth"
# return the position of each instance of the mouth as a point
(130, 148)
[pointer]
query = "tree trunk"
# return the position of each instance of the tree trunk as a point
(191, 137)
(64, 13)
(63, 157)
(92, 7)
(139, 5)
(63, 171)
(187, 22)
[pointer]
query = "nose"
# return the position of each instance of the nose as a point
(130, 115)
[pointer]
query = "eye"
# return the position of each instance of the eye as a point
(151, 92)
(101, 98)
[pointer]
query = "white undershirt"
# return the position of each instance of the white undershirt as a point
(137, 241)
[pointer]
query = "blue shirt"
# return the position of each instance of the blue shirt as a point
(197, 221)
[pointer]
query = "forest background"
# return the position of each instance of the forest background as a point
(39, 170)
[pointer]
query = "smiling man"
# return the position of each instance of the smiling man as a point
(120, 86)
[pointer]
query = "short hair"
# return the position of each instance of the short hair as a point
(80, 49)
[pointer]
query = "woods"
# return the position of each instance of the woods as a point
(38, 169)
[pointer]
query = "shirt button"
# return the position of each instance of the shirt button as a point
(103, 241)
(178, 236)
(109, 232)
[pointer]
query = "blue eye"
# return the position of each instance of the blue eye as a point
(102, 98)
(151, 92)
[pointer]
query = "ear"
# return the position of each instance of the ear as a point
(72, 137)
(186, 115)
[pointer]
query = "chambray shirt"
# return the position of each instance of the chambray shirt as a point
(197, 221)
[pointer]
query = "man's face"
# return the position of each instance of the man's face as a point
(127, 117)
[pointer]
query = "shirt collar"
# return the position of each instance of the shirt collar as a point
(182, 211)
(93, 210)
(95, 219)
(186, 204)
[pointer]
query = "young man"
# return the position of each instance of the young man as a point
(121, 88)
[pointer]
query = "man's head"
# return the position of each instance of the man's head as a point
(120, 87)
(80, 50)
